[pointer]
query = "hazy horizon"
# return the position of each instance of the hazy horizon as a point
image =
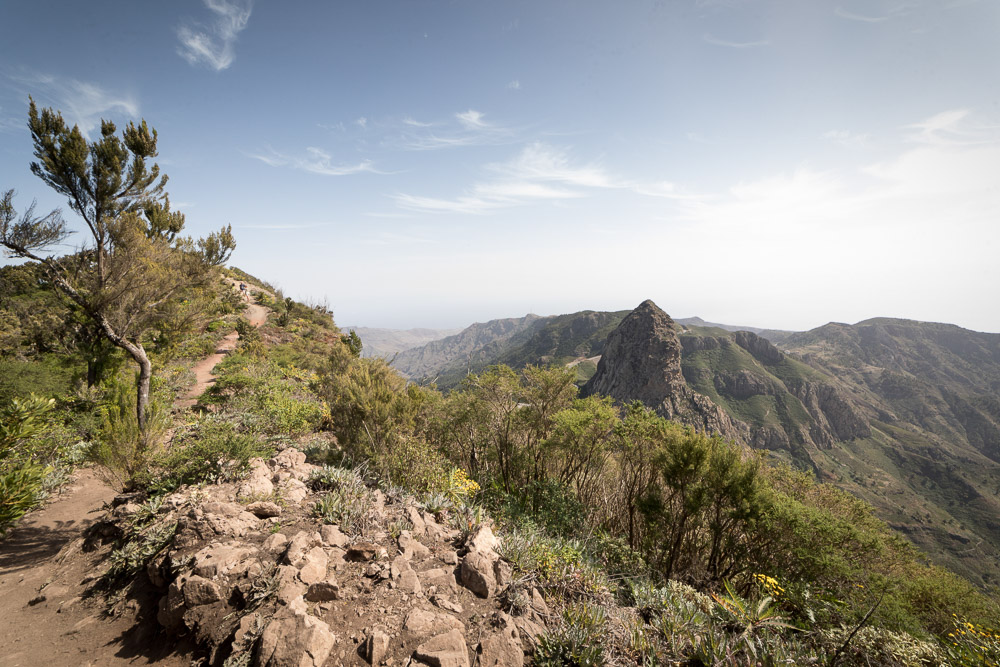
(429, 164)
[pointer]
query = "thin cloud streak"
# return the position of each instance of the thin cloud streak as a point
(538, 173)
(214, 45)
(469, 128)
(851, 16)
(81, 103)
(735, 45)
(316, 161)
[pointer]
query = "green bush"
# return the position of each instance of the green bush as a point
(210, 452)
(576, 642)
(20, 490)
(123, 451)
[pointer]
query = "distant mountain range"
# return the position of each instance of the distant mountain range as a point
(903, 414)
(387, 342)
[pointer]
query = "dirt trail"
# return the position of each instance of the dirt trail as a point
(46, 616)
(45, 575)
(203, 369)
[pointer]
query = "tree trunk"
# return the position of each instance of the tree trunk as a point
(142, 387)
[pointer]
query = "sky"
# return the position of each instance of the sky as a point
(421, 163)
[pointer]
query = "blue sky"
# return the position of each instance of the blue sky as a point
(770, 163)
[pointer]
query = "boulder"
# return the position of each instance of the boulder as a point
(477, 574)
(264, 509)
(312, 567)
(199, 591)
(445, 650)
(422, 622)
(362, 551)
(419, 528)
(258, 482)
(376, 647)
(295, 641)
(323, 591)
(333, 537)
(483, 541)
(218, 559)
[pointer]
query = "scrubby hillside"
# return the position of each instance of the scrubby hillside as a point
(314, 508)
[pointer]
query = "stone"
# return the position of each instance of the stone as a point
(409, 583)
(446, 604)
(362, 551)
(445, 650)
(529, 632)
(199, 591)
(293, 490)
(450, 557)
(502, 572)
(538, 604)
(477, 574)
(398, 566)
(300, 543)
(300, 640)
(289, 584)
(323, 591)
(312, 567)
(217, 559)
(423, 622)
(376, 647)
(222, 509)
(288, 458)
(170, 613)
(333, 537)
(483, 541)
(264, 509)
(276, 543)
(411, 548)
(440, 578)
(419, 528)
(258, 482)
(499, 649)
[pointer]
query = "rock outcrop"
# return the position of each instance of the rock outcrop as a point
(642, 361)
(275, 588)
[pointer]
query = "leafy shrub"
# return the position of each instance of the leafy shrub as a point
(265, 398)
(123, 450)
(576, 642)
(970, 644)
(211, 452)
(136, 550)
(348, 502)
(878, 646)
(20, 490)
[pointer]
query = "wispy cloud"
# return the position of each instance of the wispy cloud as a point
(471, 119)
(415, 123)
(950, 128)
(81, 103)
(851, 16)
(733, 44)
(214, 44)
(466, 128)
(514, 85)
(538, 173)
(315, 161)
(846, 138)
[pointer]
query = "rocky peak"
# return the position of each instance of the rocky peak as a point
(642, 361)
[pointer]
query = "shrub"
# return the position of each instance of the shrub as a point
(576, 642)
(123, 450)
(210, 452)
(20, 490)
(348, 502)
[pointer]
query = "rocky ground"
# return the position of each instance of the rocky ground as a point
(266, 583)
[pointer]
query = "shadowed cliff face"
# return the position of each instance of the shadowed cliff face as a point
(642, 361)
